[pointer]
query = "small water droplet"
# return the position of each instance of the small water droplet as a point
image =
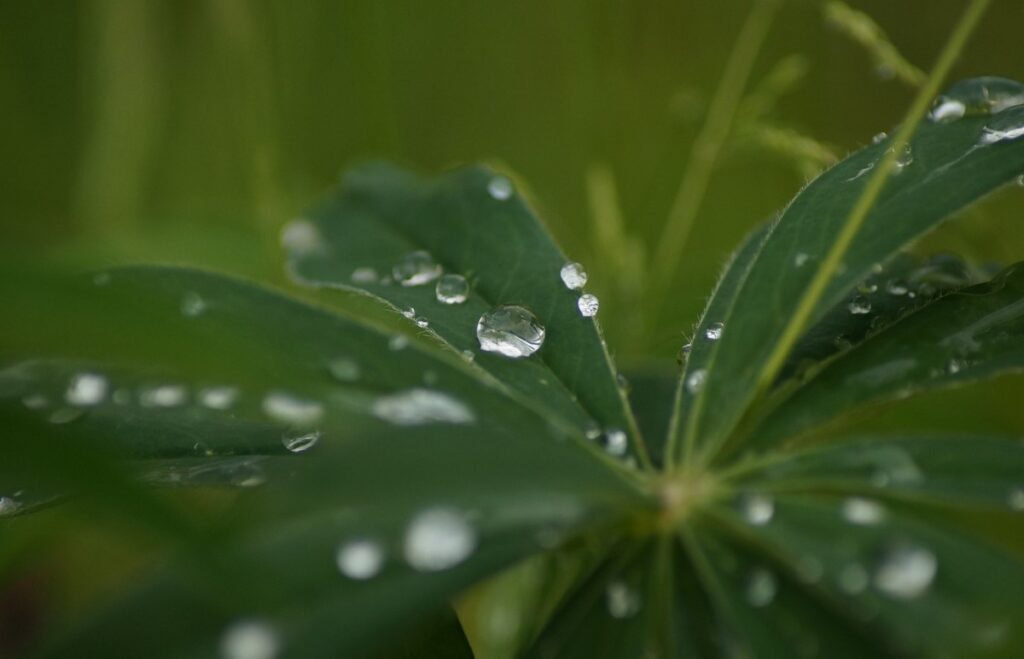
(300, 442)
(574, 276)
(420, 406)
(250, 639)
(863, 512)
(301, 237)
(1020, 181)
(714, 331)
(422, 323)
(409, 313)
(500, 188)
(616, 442)
(218, 398)
(1016, 498)
(438, 539)
(345, 369)
(761, 587)
(86, 389)
(468, 355)
(192, 304)
(896, 287)
(588, 305)
(946, 110)
(164, 395)
(291, 409)
(8, 506)
(360, 559)
(859, 306)
(365, 275)
(592, 431)
(415, 269)
(452, 289)
(954, 366)
(758, 509)
(905, 571)
(904, 159)
(622, 601)
(879, 137)
(695, 381)
(801, 259)
(510, 330)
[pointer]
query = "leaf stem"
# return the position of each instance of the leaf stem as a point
(879, 177)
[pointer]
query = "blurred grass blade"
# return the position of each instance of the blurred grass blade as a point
(862, 29)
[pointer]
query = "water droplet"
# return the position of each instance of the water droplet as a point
(905, 572)
(714, 331)
(853, 579)
(946, 110)
(360, 559)
(761, 587)
(695, 381)
(879, 137)
(758, 509)
(980, 96)
(419, 406)
(365, 275)
(218, 398)
(289, 408)
(8, 506)
(801, 259)
(300, 443)
(345, 369)
(452, 289)
(164, 395)
(410, 313)
(904, 159)
(1003, 128)
(896, 287)
(863, 512)
(415, 269)
(510, 330)
(192, 305)
(301, 237)
(422, 323)
(622, 601)
(574, 276)
(398, 342)
(859, 306)
(500, 188)
(1020, 181)
(468, 355)
(616, 442)
(588, 305)
(867, 288)
(86, 389)
(250, 639)
(438, 539)
(1016, 498)
(623, 383)
(954, 366)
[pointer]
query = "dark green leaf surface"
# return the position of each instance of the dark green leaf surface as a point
(964, 337)
(380, 214)
(953, 165)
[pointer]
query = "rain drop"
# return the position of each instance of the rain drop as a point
(360, 559)
(904, 159)
(574, 276)
(588, 305)
(500, 188)
(862, 512)
(86, 389)
(250, 639)
(905, 572)
(1004, 128)
(510, 330)
(758, 509)
(345, 369)
(415, 269)
(879, 137)
(761, 587)
(410, 313)
(714, 331)
(616, 442)
(695, 381)
(288, 408)
(300, 443)
(622, 601)
(859, 306)
(414, 407)
(438, 539)
(452, 289)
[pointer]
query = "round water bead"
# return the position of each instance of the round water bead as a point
(415, 269)
(360, 559)
(574, 276)
(438, 539)
(510, 330)
(452, 289)
(588, 305)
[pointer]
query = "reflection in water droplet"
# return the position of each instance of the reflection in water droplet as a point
(588, 305)
(761, 587)
(360, 559)
(419, 406)
(344, 369)
(758, 509)
(218, 398)
(622, 601)
(415, 269)
(574, 276)
(250, 639)
(165, 395)
(300, 443)
(714, 331)
(859, 306)
(289, 408)
(616, 442)
(905, 572)
(510, 330)
(86, 389)
(499, 188)
(863, 512)
(438, 539)
(695, 381)
(365, 275)
(452, 289)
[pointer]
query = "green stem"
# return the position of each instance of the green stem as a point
(880, 176)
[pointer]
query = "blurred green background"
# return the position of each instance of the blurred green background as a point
(189, 132)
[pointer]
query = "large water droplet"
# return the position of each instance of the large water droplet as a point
(714, 331)
(218, 398)
(761, 587)
(438, 539)
(360, 559)
(86, 389)
(863, 512)
(758, 509)
(695, 381)
(164, 395)
(250, 639)
(946, 110)
(300, 442)
(345, 369)
(419, 406)
(1003, 128)
(510, 330)
(622, 601)
(574, 276)
(452, 289)
(905, 571)
(415, 269)
(978, 96)
(291, 409)
(588, 305)
(859, 306)
(500, 188)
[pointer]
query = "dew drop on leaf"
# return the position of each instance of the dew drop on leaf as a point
(695, 381)
(510, 330)
(86, 389)
(574, 276)
(622, 601)
(300, 442)
(616, 442)
(1016, 498)
(758, 509)
(438, 539)
(409, 313)
(896, 287)
(452, 289)
(859, 306)
(8, 506)
(414, 407)
(398, 342)
(301, 237)
(365, 275)
(415, 269)
(500, 188)
(291, 409)
(218, 398)
(879, 137)
(422, 322)
(905, 572)
(164, 395)
(360, 559)
(250, 639)
(946, 110)
(1003, 128)
(862, 512)
(801, 259)
(904, 159)
(192, 305)
(588, 305)
(714, 331)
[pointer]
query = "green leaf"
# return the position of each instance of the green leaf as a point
(470, 223)
(651, 394)
(964, 337)
(953, 164)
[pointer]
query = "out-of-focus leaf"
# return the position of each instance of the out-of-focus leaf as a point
(469, 223)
